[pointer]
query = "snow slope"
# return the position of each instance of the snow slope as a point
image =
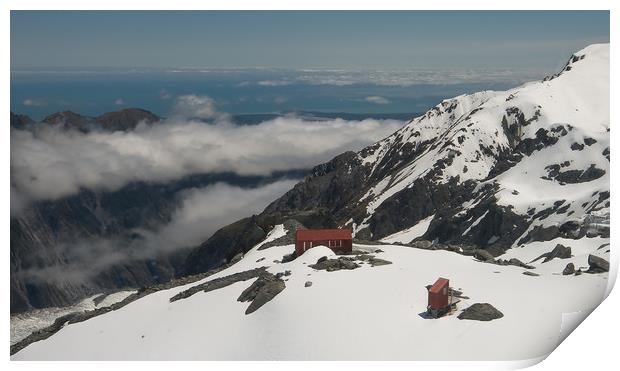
(370, 313)
(561, 121)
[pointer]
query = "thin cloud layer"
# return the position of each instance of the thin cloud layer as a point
(49, 163)
(377, 100)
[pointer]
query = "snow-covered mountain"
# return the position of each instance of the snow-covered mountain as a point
(504, 193)
(490, 169)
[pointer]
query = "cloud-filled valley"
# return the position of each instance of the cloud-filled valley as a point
(48, 163)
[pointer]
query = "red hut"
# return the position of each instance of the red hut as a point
(439, 298)
(339, 240)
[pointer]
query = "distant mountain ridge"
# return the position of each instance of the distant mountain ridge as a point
(122, 120)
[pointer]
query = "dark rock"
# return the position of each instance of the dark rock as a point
(580, 176)
(377, 262)
(365, 257)
(528, 273)
(483, 255)
(559, 251)
(235, 259)
(220, 282)
(569, 269)
(378, 251)
(287, 273)
(321, 259)
(576, 146)
(481, 312)
(308, 284)
(331, 265)
(589, 141)
(421, 244)
(289, 258)
(263, 290)
(519, 263)
(597, 264)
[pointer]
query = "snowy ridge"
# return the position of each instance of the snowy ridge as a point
(465, 138)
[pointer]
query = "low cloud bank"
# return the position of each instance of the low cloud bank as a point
(200, 213)
(49, 163)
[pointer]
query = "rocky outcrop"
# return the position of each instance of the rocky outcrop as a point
(220, 282)
(332, 265)
(263, 290)
(481, 312)
(559, 251)
(597, 264)
(569, 269)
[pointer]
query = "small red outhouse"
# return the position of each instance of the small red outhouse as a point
(339, 240)
(439, 298)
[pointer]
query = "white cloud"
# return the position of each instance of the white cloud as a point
(274, 83)
(119, 102)
(203, 211)
(33, 102)
(49, 163)
(196, 107)
(200, 213)
(377, 100)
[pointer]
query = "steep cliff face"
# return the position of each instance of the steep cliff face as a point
(492, 169)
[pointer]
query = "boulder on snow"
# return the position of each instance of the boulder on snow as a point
(265, 288)
(331, 265)
(569, 269)
(483, 255)
(481, 312)
(597, 264)
(421, 244)
(377, 262)
(308, 284)
(559, 251)
(289, 257)
(519, 263)
(528, 273)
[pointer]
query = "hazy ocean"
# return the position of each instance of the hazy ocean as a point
(38, 93)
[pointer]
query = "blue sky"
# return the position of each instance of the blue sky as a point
(376, 40)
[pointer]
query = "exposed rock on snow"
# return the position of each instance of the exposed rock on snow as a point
(220, 282)
(265, 288)
(597, 264)
(331, 265)
(481, 312)
(375, 262)
(484, 256)
(559, 251)
(308, 284)
(569, 269)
